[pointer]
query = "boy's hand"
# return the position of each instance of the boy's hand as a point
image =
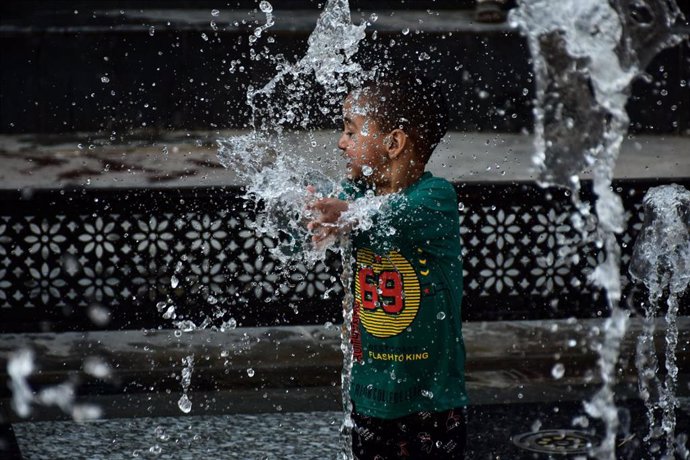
(326, 223)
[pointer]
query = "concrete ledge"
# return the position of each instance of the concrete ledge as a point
(180, 159)
(299, 366)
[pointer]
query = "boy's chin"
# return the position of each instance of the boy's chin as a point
(353, 175)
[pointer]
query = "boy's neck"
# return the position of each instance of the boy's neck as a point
(400, 179)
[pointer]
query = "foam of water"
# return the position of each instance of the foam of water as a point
(661, 260)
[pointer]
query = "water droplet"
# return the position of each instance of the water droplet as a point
(427, 394)
(441, 316)
(184, 404)
(581, 421)
(405, 31)
(105, 79)
(174, 281)
(99, 315)
(96, 367)
(204, 36)
(374, 17)
(250, 372)
(228, 325)
(265, 6)
(367, 170)
(558, 370)
(152, 31)
(185, 326)
(169, 313)
(155, 450)
(423, 56)
(215, 13)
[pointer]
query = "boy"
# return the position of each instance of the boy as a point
(408, 386)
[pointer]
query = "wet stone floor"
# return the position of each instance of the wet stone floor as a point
(307, 435)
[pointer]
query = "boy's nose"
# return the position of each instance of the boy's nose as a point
(342, 142)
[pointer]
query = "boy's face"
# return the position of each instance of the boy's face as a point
(362, 143)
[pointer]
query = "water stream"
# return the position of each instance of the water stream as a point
(586, 53)
(661, 260)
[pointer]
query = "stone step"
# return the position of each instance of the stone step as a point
(147, 159)
(113, 69)
(507, 362)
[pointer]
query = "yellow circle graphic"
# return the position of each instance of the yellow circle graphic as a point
(390, 297)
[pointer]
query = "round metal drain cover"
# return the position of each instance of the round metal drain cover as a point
(564, 442)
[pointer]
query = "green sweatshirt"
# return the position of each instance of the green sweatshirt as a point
(407, 335)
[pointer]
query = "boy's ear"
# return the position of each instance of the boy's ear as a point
(395, 142)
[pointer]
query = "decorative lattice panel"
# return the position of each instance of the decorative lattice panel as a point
(126, 251)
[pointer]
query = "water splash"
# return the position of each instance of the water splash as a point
(20, 366)
(586, 53)
(274, 174)
(347, 278)
(661, 260)
(276, 177)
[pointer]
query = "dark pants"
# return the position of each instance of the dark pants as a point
(423, 435)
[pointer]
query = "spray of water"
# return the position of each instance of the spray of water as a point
(661, 260)
(276, 176)
(586, 53)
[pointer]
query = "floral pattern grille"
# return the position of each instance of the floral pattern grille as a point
(130, 250)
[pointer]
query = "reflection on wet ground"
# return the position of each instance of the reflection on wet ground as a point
(289, 408)
(314, 435)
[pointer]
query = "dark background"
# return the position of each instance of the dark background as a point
(52, 62)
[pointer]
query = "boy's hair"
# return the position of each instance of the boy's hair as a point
(410, 103)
